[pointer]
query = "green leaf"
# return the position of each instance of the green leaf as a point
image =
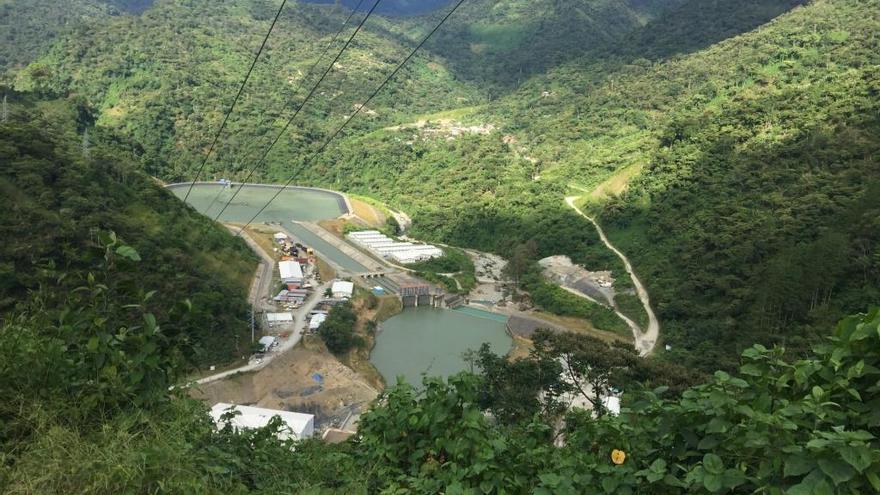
(713, 464)
(128, 252)
(150, 320)
(658, 466)
(837, 470)
(732, 478)
(798, 465)
(751, 370)
(874, 480)
(813, 484)
(93, 344)
(550, 479)
(713, 482)
(610, 484)
(858, 457)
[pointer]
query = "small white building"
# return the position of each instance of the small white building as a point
(316, 321)
(291, 271)
(280, 237)
(297, 426)
(279, 318)
(342, 289)
(611, 404)
(267, 342)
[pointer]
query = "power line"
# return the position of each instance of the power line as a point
(308, 97)
(357, 111)
(290, 100)
(235, 101)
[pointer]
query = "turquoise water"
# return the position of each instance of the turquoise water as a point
(292, 204)
(479, 313)
(431, 341)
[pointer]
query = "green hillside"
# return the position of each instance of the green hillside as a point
(750, 127)
(29, 27)
(742, 118)
(63, 195)
(729, 147)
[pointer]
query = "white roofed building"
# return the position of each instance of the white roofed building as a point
(400, 252)
(342, 289)
(611, 404)
(279, 318)
(297, 426)
(316, 321)
(291, 271)
(267, 342)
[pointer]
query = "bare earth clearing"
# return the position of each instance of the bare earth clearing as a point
(290, 383)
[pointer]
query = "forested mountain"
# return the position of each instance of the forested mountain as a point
(729, 147)
(29, 27)
(745, 139)
(735, 135)
(66, 195)
(390, 7)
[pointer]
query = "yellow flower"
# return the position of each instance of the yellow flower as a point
(618, 456)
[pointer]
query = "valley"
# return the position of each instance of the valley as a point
(461, 247)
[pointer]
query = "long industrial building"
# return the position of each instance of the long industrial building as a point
(386, 247)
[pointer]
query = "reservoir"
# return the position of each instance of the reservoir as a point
(301, 204)
(431, 341)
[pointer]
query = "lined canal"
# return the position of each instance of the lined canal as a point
(299, 204)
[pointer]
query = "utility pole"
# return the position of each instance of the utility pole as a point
(253, 326)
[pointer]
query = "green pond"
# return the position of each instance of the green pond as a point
(299, 204)
(429, 341)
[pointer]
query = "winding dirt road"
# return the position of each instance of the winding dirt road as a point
(644, 340)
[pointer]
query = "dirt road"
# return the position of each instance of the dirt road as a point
(259, 294)
(647, 339)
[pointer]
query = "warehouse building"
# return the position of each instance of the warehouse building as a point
(399, 252)
(291, 273)
(342, 289)
(297, 426)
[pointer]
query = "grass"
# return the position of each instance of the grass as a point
(366, 212)
(580, 325)
(614, 185)
(325, 270)
(521, 349)
(202, 373)
(358, 359)
(263, 237)
(382, 208)
(631, 306)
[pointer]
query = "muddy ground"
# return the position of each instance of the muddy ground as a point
(305, 379)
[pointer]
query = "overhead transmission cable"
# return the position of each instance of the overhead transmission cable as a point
(293, 95)
(303, 104)
(235, 101)
(357, 111)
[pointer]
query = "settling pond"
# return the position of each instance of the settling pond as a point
(300, 204)
(429, 341)
(416, 342)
